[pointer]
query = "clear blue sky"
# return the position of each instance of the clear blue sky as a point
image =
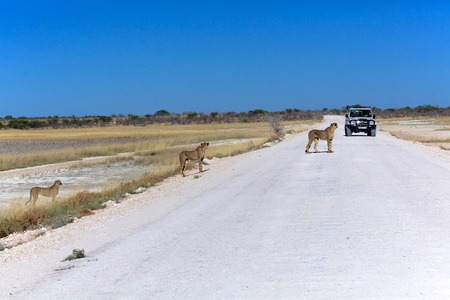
(109, 57)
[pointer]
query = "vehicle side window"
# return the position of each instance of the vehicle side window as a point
(367, 114)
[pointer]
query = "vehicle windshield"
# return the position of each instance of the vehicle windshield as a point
(355, 113)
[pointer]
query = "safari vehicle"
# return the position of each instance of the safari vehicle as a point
(360, 119)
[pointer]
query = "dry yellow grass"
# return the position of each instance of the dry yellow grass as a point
(214, 131)
(444, 121)
(431, 131)
(160, 146)
(147, 140)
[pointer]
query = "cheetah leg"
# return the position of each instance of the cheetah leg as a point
(308, 146)
(200, 165)
(316, 142)
(183, 167)
(330, 150)
(32, 200)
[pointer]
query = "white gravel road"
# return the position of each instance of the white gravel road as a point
(371, 220)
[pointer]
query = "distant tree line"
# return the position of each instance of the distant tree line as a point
(419, 111)
(163, 116)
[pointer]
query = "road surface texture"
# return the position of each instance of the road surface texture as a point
(371, 220)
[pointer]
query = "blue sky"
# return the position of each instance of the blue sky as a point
(119, 57)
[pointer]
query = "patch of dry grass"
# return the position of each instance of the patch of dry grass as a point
(430, 131)
(149, 139)
(14, 161)
(157, 131)
(445, 121)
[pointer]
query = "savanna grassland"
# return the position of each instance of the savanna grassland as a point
(156, 145)
(26, 148)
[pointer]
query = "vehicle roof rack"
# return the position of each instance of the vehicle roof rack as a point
(358, 106)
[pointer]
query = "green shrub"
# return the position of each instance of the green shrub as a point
(76, 254)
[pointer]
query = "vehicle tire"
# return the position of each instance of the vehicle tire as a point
(348, 132)
(373, 132)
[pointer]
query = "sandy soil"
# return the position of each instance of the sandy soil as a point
(368, 221)
(36, 146)
(425, 131)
